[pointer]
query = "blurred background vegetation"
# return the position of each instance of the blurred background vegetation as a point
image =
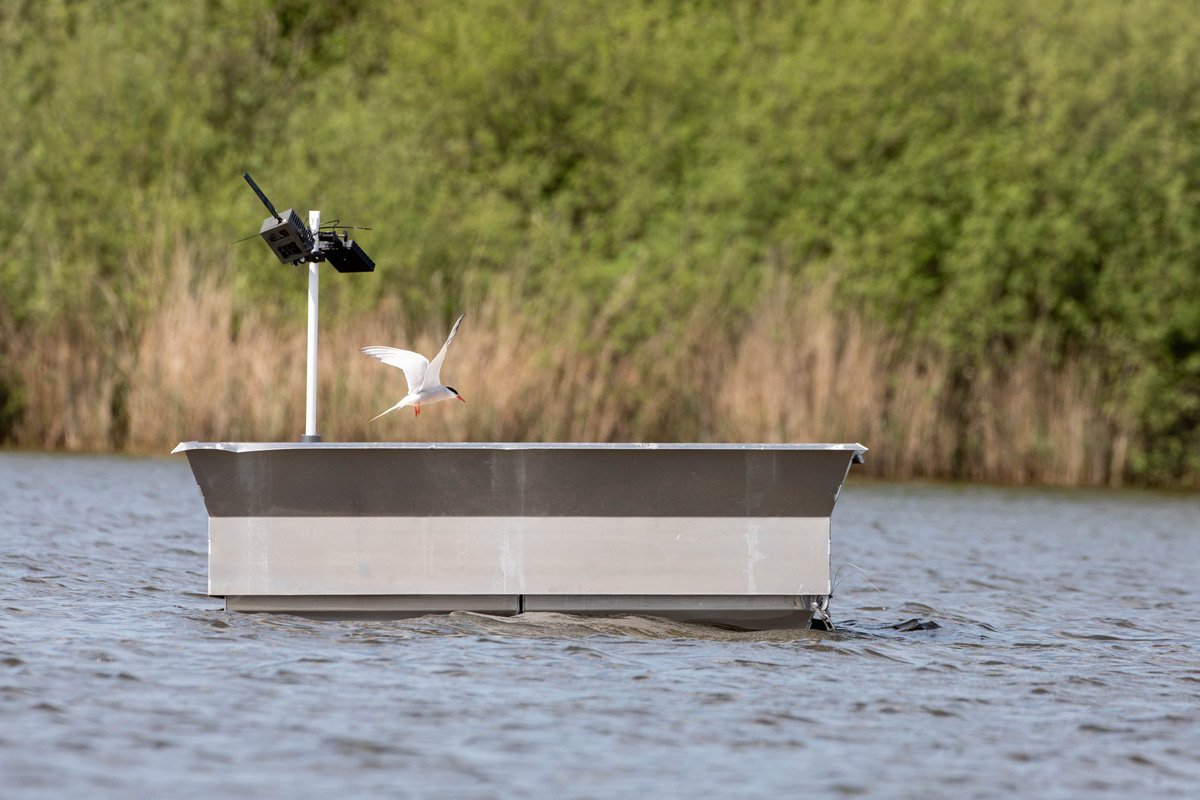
(691, 220)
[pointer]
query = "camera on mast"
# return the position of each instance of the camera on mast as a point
(292, 242)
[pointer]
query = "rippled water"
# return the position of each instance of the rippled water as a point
(1065, 664)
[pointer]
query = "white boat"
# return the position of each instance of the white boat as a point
(734, 534)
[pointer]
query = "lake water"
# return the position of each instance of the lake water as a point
(1065, 664)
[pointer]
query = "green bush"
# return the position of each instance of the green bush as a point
(977, 175)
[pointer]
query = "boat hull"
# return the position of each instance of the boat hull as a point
(727, 534)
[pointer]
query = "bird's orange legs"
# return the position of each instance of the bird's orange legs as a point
(418, 411)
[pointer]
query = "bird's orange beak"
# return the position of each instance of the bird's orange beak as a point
(460, 397)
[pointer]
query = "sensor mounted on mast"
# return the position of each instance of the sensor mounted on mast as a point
(293, 242)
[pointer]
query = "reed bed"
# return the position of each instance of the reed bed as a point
(206, 366)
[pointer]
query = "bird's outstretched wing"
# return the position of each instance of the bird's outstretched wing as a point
(433, 376)
(415, 365)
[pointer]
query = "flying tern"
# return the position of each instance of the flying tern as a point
(423, 376)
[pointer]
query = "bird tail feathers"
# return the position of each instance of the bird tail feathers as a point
(390, 410)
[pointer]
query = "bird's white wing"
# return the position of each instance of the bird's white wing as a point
(433, 376)
(414, 365)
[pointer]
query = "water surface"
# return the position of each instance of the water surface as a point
(1065, 663)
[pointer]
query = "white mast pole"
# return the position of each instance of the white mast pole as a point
(310, 398)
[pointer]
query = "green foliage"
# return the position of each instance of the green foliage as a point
(977, 175)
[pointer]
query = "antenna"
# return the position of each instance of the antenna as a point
(262, 197)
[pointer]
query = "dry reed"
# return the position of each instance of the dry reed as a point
(204, 366)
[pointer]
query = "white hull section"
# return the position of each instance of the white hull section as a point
(519, 556)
